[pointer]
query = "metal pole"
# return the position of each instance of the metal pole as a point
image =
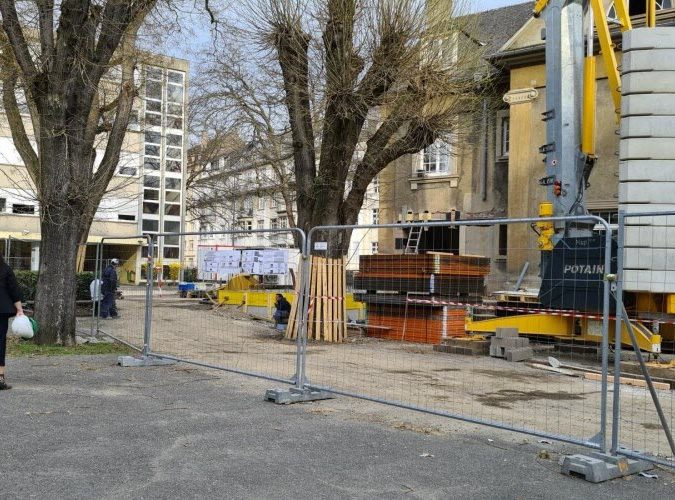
(148, 296)
(618, 298)
(526, 266)
(605, 338)
(99, 271)
(302, 331)
(94, 299)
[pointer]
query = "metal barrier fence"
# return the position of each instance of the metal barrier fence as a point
(398, 336)
(475, 276)
(644, 416)
(223, 316)
(122, 315)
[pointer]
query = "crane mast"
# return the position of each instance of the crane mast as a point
(567, 167)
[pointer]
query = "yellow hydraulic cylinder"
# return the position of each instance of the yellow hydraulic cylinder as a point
(545, 228)
(589, 107)
(651, 13)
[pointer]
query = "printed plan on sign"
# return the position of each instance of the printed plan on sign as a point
(264, 261)
(218, 264)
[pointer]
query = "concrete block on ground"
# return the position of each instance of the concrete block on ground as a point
(466, 347)
(511, 342)
(647, 104)
(502, 333)
(647, 170)
(521, 354)
(647, 148)
(648, 38)
(656, 59)
(648, 126)
(496, 351)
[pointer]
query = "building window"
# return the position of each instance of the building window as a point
(376, 215)
(171, 226)
(283, 222)
(436, 158)
(504, 130)
(376, 184)
(150, 226)
(171, 252)
(126, 217)
(374, 247)
(503, 239)
(150, 208)
(261, 203)
(171, 183)
(611, 215)
(3, 205)
(22, 209)
(261, 224)
(172, 197)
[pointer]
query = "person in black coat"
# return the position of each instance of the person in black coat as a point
(283, 310)
(109, 289)
(10, 305)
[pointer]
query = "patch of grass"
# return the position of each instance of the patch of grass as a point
(20, 348)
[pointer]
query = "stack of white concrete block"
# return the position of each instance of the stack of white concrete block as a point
(507, 344)
(647, 158)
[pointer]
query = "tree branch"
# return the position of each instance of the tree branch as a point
(46, 14)
(15, 121)
(18, 43)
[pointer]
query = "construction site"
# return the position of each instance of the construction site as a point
(568, 333)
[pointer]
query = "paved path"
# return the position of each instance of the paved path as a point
(80, 427)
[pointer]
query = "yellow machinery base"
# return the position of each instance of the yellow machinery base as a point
(565, 328)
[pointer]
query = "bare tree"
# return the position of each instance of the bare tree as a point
(75, 61)
(350, 86)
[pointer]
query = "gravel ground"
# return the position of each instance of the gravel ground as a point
(80, 427)
(478, 387)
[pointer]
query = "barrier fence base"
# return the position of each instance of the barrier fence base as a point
(143, 361)
(295, 395)
(598, 467)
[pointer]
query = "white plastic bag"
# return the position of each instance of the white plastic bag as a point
(22, 327)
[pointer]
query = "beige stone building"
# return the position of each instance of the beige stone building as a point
(146, 194)
(494, 166)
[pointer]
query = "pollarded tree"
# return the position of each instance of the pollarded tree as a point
(411, 64)
(364, 83)
(61, 55)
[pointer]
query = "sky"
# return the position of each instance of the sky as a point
(198, 33)
(481, 5)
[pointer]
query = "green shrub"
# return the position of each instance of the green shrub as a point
(28, 283)
(190, 274)
(83, 282)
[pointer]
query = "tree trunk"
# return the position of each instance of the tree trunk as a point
(57, 286)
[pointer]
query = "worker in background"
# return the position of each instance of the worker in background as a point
(109, 290)
(283, 310)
